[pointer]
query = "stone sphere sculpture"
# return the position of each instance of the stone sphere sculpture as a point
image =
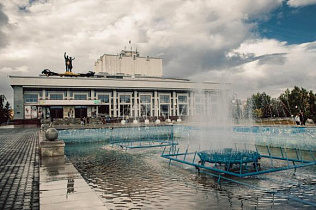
(51, 134)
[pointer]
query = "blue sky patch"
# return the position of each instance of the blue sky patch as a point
(293, 25)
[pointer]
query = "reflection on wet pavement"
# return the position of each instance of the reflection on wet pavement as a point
(62, 187)
(140, 179)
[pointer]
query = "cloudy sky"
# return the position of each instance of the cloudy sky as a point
(256, 45)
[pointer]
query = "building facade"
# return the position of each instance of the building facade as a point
(129, 63)
(124, 94)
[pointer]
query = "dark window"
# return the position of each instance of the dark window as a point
(80, 111)
(56, 112)
(125, 110)
(56, 96)
(145, 110)
(164, 110)
(125, 98)
(164, 99)
(144, 99)
(182, 99)
(182, 109)
(80, 97)
(104, 98)
(30, 98)
(104, 110)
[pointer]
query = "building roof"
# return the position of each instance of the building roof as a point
(124, 82)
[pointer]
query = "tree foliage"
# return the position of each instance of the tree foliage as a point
(5, 110)
(288, 104)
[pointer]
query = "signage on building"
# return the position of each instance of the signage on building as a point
(27, 111)
(68, 102)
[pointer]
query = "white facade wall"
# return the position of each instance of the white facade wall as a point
(113, 64)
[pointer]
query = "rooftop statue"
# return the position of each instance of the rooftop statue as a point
(68, 62)
(48, 72)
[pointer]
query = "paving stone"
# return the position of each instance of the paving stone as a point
(19, 169)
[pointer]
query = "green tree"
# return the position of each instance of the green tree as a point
(5, 110)
(262, 102)
(288, 104)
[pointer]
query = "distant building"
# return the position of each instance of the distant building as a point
(129, 63)
(126, 85)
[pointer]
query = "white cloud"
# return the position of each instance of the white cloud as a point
(300, 3)
(270, 66)
(192, 37)
(12, 71)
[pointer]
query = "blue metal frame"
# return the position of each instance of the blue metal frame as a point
(175, 155)
(144, 144)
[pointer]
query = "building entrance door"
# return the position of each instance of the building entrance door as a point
(104, 110)
(80, 111)
(56, 112)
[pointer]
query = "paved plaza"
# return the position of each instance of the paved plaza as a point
(25, 183)
(19, 169)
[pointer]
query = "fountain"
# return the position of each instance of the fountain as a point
(212, 144)
(229, 150)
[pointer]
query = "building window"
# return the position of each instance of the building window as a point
(182, 105)
(80, 111)
(56, 111)
(145, 99)
(125, 105)
(164, 110)
(56, 96)
(145, 105)
(104, 98)
(125, 109)
(80, 97)
(182, 99)
(30, 98)
(183, 109)
(164, 99)
(104, 110)
(125, 98)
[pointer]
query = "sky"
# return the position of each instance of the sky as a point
(257, 46)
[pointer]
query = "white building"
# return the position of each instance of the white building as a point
(121, 92)
(129, 63)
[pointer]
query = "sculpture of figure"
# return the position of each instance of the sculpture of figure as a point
(68, 62)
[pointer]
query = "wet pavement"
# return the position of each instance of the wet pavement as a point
(62, 187)
(19, 169)
(30, 182)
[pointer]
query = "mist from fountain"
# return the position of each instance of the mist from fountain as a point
(213, 122)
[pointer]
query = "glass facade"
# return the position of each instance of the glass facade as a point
(182, 99)
(56, 96)
(183, 109)
(164, 110)
(30, 98)
(122, 104)
(125, 98)
(164, 99)
(144, 99)
(80, 97)
(104, 98)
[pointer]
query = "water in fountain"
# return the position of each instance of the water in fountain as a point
(214, 122)
(134, 133)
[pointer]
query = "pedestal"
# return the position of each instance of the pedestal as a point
(52, 148)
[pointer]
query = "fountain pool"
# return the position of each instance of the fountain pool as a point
(140, 179)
